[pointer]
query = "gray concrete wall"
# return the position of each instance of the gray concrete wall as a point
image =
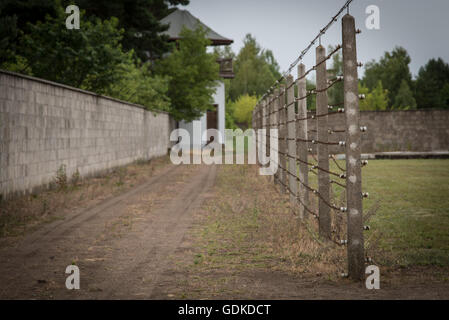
(44, 125)
(396, 130)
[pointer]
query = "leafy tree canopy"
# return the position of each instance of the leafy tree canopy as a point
(404, 99)
(193, 73)
(136, 84)
(375, 100)
(390, 70)
(335, 93)
(243, 108)
(90, 58)
(140, 19)
(85, 58)
(255, 70)
(432, 85)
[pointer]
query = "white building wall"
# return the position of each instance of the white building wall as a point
(219, 98)
(197, 139)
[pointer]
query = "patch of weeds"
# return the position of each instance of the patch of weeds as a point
(198, 258)
(61, 178)
(44, 206)
(121, 173)
(141, 162)
(76, 177)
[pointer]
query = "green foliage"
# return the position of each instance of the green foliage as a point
(136, 84)
(432, 85)
(243, 108)
(392, 69)
(335, 93)
(76, 177)
(84, 58)
(413, 214)
(375, 100)
(90, 58)
(29, 11)
(61, 178)
(404, 99)
(255, 70)
(141, 21)
(193, 74)
(311, 99)
(229, 115)
(8, 34)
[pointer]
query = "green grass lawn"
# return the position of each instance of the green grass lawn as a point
(414, 212)
(413, 218)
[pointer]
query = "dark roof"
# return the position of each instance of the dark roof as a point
(179, 18)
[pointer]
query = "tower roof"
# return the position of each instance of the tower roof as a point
(179, 18)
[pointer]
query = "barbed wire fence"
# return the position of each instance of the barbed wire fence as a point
(280, 109)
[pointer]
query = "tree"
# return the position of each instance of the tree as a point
(193, 74)
(86, 58)
(243, 108)
(255, 70)
(336, 94)
(136, 84)
(432, 85)
(28, 11)
(139, 18)
(311, 99)
(375, 100)
(390, 70)
(15, 17)
(8, 34)
(404, 99)
(90, 58)
(141, 21)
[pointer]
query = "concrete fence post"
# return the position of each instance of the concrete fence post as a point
(291, 143)
(282, 141)
(302, 152)
(276, 126)
(268, 124)
(271, 126)
(263, 107)
(356, 259)
(255, 126)
(259, 125)
(323, 148)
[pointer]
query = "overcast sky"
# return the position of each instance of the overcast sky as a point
(287, 26)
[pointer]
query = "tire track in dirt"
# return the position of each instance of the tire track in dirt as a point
(157, 240)
(35, 267)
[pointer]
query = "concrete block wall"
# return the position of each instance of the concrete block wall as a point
(411, 130)
(44, 125)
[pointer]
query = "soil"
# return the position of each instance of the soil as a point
(135, 245)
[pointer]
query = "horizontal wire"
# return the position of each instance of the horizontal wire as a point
(332, 83)
(304, 52)
(314, 191)
(311, 92)
(314, 141)
(338, 183)
(307, 209)
(297, 198)
(336, 163)
(338, 47)
(330, 131)
(308, 163)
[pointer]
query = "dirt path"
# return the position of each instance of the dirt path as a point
(194, 232)
(121, 245)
